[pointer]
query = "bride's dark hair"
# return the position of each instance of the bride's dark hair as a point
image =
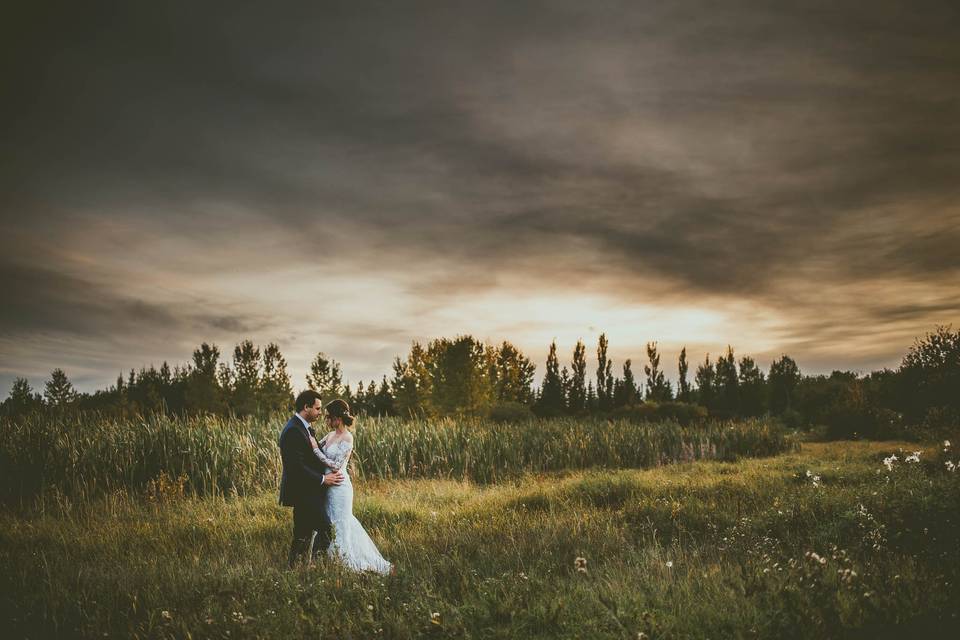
(340, 409)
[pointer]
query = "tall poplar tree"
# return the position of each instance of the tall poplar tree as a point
(577, 392)
(683, 386)
(604, 375)
(658, 389)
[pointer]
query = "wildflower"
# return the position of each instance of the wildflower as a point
(166, 615)
(888, 462)
(946, 444)
(669, 564)
(435, 617)
(642, 636)
(913, 458)
(950, 466)
(369, 607)
(580, 564)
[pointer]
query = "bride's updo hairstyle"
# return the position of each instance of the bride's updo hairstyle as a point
(340, 409)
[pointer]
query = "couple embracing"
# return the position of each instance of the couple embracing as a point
(316, 483)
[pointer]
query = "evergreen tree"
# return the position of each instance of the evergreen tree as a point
(783, 380)
(325, 377)
(59, 391)
(246, 378)
(577, 391)
(683, 389)
(276, 391)
(752, 388)
(358, 403)
(565, 385)
(704, 378)
(658, 389)
(383, 401)
(165, 376)
(727, 385)
(591, 398)
(202, 393)
(604, 375)
(413, 399)
(550, 402)
(403, 386)
(22, 399)
(626, 393)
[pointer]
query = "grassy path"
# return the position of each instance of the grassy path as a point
(700, 550)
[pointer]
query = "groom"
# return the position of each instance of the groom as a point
(303, 485)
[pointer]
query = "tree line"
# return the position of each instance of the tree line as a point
(464, 376)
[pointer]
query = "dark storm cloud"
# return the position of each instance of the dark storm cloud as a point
(47, 301)
(678, 149)
(41, 300)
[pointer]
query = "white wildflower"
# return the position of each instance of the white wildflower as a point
(950, 466)
(915, 457)
(669, 564)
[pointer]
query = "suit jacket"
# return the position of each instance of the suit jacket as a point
(302, 479)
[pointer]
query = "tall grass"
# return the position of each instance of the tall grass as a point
(85, 455)
(752, 549)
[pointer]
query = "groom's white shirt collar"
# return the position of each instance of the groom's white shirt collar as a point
(305, 423)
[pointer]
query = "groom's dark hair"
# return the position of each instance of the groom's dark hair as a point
(306, 399)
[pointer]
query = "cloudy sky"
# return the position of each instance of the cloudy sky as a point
(349, 177)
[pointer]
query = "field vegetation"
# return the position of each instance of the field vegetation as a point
(839, 540)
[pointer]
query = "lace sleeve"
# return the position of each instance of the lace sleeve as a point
(333, 464)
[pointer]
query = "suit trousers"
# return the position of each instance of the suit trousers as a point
(311, 532)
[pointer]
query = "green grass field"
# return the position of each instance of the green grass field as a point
(706, 549)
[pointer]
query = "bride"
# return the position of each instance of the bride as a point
(351, 544)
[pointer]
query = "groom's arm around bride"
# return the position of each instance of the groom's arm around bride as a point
(303, 483)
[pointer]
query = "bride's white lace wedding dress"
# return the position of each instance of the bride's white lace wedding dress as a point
(351, 544)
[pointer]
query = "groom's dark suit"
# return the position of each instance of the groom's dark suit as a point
(302, 487)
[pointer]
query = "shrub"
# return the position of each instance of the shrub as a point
(510, 412)
(681, 412)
